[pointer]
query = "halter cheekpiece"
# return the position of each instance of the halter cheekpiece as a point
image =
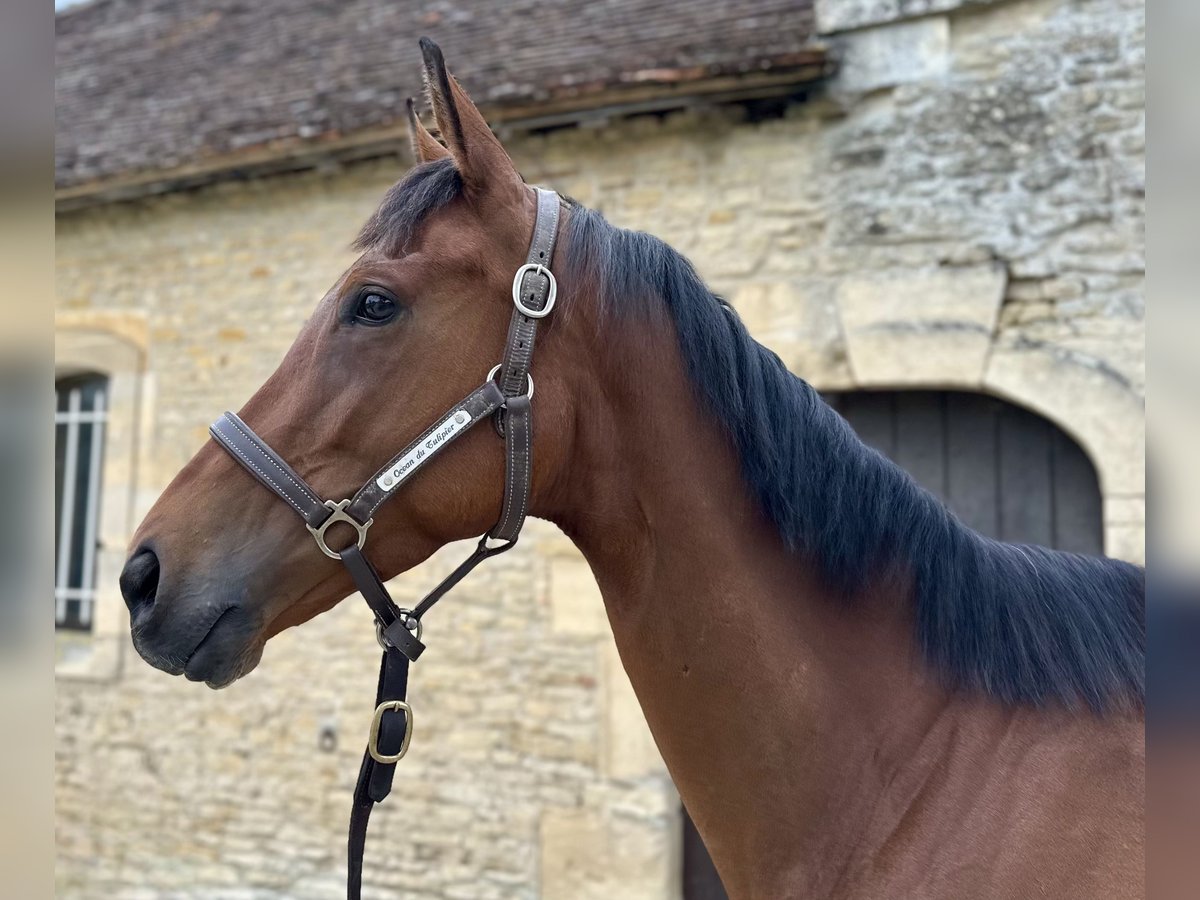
(507, 401)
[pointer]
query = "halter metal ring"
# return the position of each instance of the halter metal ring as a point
(528, 381)
(516, 290)
(412, 623)
(338, 514)
(377, 721)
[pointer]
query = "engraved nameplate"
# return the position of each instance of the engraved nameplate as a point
(408, 463)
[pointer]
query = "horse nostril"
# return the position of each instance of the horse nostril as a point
(139, 581)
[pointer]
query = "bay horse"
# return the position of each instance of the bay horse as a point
(856, 695)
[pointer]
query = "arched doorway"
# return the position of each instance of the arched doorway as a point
(1005, 471)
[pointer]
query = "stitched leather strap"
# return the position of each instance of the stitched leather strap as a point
(515, 422)
(392, 622)
(518, 441)
(268, 467)
(456, 421)
(375, 778)
(534, 293)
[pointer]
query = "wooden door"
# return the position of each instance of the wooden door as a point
(1005, 471)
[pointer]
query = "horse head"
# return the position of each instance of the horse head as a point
(219, 566)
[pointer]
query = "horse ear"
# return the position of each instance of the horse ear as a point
(425, 146)
(478, 155)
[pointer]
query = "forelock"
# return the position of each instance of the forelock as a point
(423, 191)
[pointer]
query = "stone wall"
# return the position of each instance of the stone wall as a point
(962, 207)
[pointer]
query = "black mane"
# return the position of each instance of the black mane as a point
(1022, 623)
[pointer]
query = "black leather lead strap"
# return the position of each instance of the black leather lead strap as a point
(375, 778)
(393, 622)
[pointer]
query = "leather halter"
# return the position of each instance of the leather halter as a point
(399, 630)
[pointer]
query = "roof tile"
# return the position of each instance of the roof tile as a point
(147, 85)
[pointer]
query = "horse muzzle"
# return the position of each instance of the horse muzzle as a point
(206, 635)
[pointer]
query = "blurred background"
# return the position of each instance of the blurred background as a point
(933, 210)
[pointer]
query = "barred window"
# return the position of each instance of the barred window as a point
(79, 419)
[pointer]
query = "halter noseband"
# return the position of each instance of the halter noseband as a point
(398, 630)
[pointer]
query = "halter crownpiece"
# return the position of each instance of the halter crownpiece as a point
(507, 401)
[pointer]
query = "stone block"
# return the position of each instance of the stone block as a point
(959, 296)
(798, 320)
(893, 356)
(895, 54)
(839, 15)
(575, 602)
(588, 855)
(933, 328)
(980, 42)
(629, 750)
(130, 326)
(1124, 510)
(1127, 542)
(1084, 398)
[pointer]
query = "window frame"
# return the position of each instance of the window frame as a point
(113, 345)
(74, 603)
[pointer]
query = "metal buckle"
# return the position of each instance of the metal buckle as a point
(338, 514)
(528, 381)
(377, 720)
(516, 290)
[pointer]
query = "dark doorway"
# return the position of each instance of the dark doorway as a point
(1005, 471)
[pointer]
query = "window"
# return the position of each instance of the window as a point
(79, 419)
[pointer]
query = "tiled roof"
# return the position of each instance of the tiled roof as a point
(147, 86)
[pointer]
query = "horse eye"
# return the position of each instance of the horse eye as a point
(375, 308)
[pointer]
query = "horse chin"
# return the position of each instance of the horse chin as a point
(223, 670)
(230, 648)
(224, 656)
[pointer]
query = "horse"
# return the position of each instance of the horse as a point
(856, 695)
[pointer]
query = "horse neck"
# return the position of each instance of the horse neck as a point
(778, 709)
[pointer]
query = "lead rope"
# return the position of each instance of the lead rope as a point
(398, 630)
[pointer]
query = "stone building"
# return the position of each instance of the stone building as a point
(933, 210)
